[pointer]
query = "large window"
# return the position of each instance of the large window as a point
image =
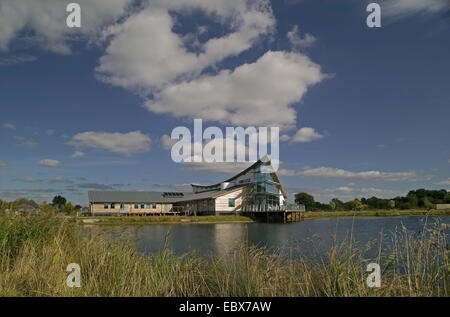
(105, 205)
(231, 202)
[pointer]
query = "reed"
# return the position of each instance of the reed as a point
(35, 251)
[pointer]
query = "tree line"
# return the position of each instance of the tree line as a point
(59, 204)
(415, 199)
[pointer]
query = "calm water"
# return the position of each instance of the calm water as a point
(221, 239)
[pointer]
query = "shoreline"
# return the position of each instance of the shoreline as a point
(149, 220)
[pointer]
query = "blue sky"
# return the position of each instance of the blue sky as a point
(363, 111)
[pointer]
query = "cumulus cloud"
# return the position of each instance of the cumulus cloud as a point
(445, 182)
(401, 8)
(123, 143)
(172, 75)
(284, 138)
(148, 67)
(50, 132)
(306, 134)
(260, 93)
(297, 41)
(50, 163)
(2, 163)
(77, 154)
(167, 142)
(8, 125)
(329, 172)
(47, 21)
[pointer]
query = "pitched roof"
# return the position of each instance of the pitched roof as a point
(152, 196)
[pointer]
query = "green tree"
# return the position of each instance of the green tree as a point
(336, 204)
(354, 205)
(68, 208)
(59, 201)
(392, 204)
(305, 199)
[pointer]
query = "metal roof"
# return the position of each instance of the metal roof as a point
(151, 196)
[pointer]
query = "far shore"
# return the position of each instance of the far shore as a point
(146, 220)
(376, 213)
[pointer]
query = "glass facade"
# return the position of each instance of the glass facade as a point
(265, 190)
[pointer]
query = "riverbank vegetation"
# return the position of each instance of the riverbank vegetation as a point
(376, 213)
(35, 251)
(136, 220)
(415, 199)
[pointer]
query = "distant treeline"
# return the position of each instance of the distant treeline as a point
(58, 204)
(416, 199)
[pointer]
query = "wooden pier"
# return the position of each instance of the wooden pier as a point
(287, 216)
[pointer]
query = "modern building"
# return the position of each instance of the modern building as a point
(250, 190)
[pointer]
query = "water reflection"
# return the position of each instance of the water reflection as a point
(222, 239)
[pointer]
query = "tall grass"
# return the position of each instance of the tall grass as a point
(35, 251)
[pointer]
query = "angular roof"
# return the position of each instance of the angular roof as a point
(264, 159)
(152, 196)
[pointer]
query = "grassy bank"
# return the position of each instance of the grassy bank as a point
(35, 250)
(166, 219)
(376, 213)
(145, 220)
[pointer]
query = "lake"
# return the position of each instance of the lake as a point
(222, 239)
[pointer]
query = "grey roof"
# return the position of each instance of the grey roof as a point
(150, 196)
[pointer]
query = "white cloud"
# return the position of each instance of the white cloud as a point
(287, 172)
(7, 125)
(167, 141)
(328, 172)
(401, 8)
(77, 154)
(306, 134)
(25, 142)
(297, 41)
(171, 72)
(50, 132)
(16, 59)
(47, 21)
(123, 143)
(147, 67)
(445, 182)
(284, 138)
(2, 163)
(253, 94)
(59, 179)
(50, 163)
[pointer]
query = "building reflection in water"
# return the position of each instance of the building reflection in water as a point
(227, 237)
